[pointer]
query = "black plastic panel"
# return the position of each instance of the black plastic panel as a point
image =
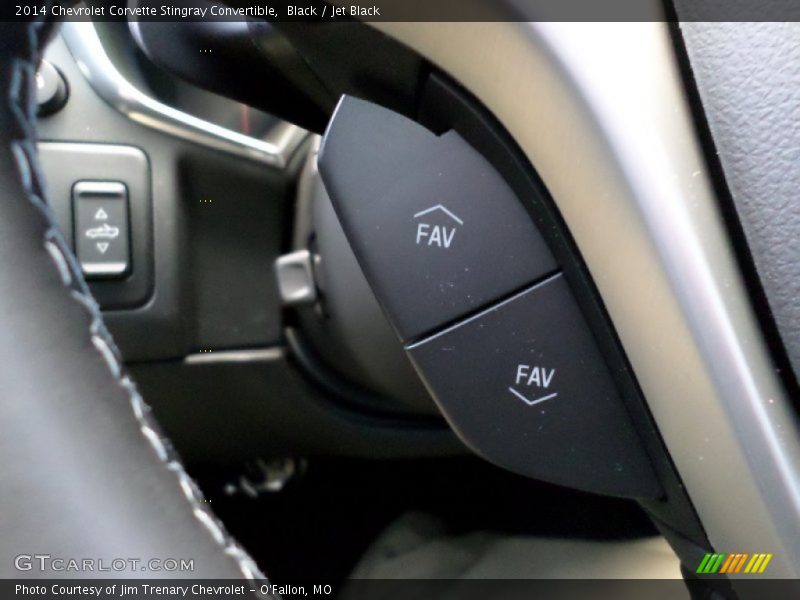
(236, 225)
(223, 413)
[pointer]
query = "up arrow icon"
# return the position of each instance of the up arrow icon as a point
(100, 215)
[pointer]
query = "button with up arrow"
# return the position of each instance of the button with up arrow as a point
(102, 227)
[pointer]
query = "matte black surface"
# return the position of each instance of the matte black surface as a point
(228, 412)
(66, 164)
(525, 386)
(102, 228)
(437, 231)
(235, 220)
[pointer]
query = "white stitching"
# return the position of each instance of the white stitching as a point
(155, 441)
(104, 349)
(23, 168)
(61, 262)
(212, 525)
(24, 154)
(246, 563)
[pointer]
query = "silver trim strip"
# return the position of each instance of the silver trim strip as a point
(109, 268)
(235, 356)
(85, 46)
(599, 108)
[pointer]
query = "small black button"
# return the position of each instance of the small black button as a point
(101, 228)
(525, 385)
(436, 229)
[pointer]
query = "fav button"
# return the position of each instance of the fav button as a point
(525, 386)
(436, 229)
(101, 228)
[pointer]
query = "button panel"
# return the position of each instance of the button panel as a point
(68, 163)
(437, 231)
(525, 386)
(447, 246)
(101, 228)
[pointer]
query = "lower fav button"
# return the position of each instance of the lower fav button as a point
(526, 387)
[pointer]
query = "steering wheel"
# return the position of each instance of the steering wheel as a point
(86, 472)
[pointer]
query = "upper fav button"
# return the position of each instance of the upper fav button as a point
(437, 231)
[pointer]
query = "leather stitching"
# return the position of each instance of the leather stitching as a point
(22, 105)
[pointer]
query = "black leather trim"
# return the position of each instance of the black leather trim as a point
(747, 77)
(84, 469)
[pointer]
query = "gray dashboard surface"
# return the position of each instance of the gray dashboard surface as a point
(748, 79)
